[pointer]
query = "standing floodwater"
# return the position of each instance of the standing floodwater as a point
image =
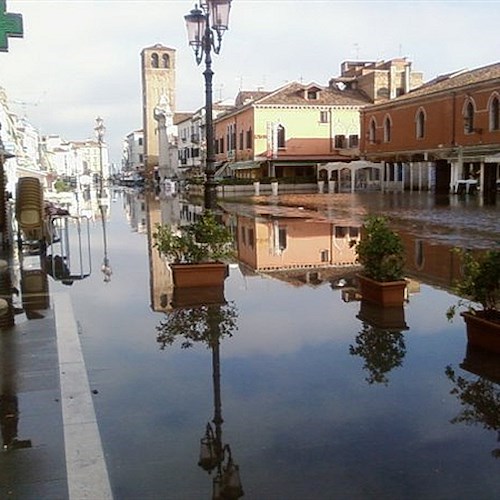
(310, 394)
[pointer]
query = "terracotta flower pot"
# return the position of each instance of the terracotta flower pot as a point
(390, 293)
(482, 332)
(200, 274)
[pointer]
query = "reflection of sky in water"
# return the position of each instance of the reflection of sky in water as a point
(301, 419)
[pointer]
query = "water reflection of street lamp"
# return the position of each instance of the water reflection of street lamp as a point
(100, 129)
(213, 453)
(208, 323)
(205, 27)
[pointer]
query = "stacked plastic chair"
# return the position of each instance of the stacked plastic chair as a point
(30, 213)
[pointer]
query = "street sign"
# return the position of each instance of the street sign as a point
(11, 25)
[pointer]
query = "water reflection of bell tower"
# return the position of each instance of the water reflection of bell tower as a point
(158, 79)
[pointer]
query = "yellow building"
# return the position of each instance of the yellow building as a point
(287, 132)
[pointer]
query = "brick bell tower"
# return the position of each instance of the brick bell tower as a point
(158, 78)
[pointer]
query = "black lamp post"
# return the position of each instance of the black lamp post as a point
(100, 129)
(206, 26)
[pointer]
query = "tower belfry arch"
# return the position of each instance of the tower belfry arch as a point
(158, 79)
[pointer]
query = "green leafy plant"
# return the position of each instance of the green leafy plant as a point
(380, 251)
(479, 284)
(208, 324)
(205, 240)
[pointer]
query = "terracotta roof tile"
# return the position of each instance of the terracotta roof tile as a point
(453, 81)
(295, 94)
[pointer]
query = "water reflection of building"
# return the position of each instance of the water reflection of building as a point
(162, 209)
(272, 243)
(135, 210)
(431, 261)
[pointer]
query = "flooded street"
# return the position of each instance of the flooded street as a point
(315, 396)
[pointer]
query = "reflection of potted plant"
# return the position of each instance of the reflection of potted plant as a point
(480, 284)
(382, 351)
(195, 252)
(208, 323)
(480, 400)
(381, 253)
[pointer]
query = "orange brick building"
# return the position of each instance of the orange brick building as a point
(442, 136)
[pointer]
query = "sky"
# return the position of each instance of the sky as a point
(80, 59)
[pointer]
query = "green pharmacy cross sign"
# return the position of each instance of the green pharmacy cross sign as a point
(11, 25)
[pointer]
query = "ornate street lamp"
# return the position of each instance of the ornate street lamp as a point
(206, 26)
(100, 129)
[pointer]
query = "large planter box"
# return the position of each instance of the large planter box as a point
(202, 274)
(482, 332)
(391, 293)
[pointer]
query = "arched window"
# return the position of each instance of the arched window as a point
(469, 118)
(419, 254)
(166, 60)
(420, 124)
(372, 131)
(281, 136)
(154, 60)
(495, 114)
(387, 129)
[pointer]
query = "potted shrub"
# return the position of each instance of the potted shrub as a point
(381, 253)
(195, 252)
(480, 288)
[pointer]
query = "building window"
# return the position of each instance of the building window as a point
(372, 131)
(420, 124)
(469, 118)
(341, 232)
(221, 145)
(251, 238)
(419, 254)
(154, 60)
(340, 141)
(249, 138)
(281, 136)
(241, 140)
(140, 141)
(354, 232)
(353, 141)
(323, 116)
(495, 114)
(325, 255)
(387, 129)
(243, 235)
(312, 94)
(166, 60)
(282, 238)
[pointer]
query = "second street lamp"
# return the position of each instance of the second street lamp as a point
(100, 129)
(206, 26)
